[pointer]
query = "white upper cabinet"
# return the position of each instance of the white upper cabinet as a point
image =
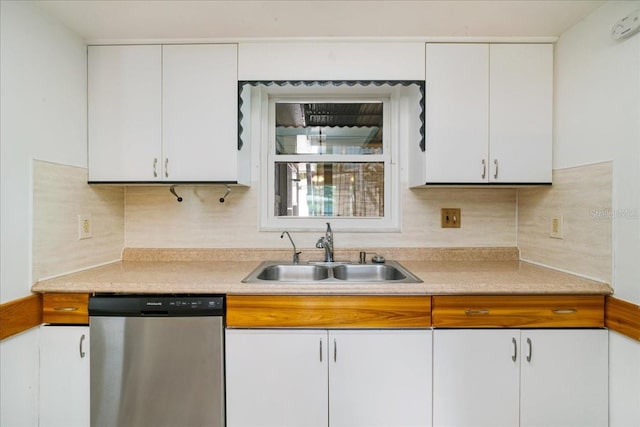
(488, 114)
(200, 107)
(163, 113)
(457, 112)
(520, 113)
(331, 61)
(125, 113)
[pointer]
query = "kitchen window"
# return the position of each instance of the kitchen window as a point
(328, 153)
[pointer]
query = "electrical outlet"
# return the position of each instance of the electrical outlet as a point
(450, 218)
(84, 226)
(555, 230)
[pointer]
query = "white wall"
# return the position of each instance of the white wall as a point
(42, 115)
(597, 118)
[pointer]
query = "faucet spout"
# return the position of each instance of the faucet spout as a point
(296, 254)
(326, 243)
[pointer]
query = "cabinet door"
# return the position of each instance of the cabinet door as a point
(457, 113)
(521, 97)
(564, 378)
(380, 378)
(64, 376)
(276, 378)
(475, 378)
(124, 113)
(200, 99)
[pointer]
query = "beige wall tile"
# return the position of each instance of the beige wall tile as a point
(583, 196)
(60, 193)
(154, 219)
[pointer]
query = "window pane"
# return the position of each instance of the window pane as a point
(329, 128)
(329, 189)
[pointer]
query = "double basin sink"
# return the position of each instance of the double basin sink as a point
(330, 272)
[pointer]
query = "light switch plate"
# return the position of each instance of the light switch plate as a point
(450, 217)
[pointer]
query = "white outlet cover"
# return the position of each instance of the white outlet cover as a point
(85, 226)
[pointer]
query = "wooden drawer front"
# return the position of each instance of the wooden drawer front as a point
(65, 308)
(518, 311)
(252, 311)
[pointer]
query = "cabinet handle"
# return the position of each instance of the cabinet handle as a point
(166, 167)
(335, 351)
(484, 168)
(495, 162)
(472, 312)
(529, 349)
(564, 311)
(155, 167)
(65, 308)
(321, 349)
(82, 353)
(514, 356)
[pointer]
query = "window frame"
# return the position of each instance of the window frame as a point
(262, 97)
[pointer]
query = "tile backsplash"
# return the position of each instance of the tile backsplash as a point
(60, 193)
(154, 219)
(582, 195)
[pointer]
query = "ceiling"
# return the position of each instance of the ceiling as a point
(103, 21)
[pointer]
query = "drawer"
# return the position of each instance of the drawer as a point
(557, 311)
(324, 311)
(65, 308)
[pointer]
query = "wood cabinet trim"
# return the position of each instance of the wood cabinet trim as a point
(19, 315)
(550, 311)
(63, 308)
(324, 311)
(623, 317)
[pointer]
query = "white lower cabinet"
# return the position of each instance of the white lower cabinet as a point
(64, 376)
(512, 377)
(336, 378)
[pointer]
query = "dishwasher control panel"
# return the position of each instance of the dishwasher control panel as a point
(156, 305)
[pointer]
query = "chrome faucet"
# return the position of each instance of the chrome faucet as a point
(296, 254)
(326, 243)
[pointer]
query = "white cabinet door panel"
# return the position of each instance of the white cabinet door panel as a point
(565, 382)
(380, 378)
(199, 90)
(276, 378)
(475, 379)
(521, 107)
(457, 113)
(64, 376)
(124, 113)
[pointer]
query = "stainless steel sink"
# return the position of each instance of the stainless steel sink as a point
(332, 272)
(293, 273)
(368, 273)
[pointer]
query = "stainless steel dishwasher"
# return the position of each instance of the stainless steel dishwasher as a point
(157, 360)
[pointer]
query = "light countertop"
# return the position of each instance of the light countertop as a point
(471, 271)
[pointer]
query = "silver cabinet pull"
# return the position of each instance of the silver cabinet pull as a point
(335, 351)
(529, 349)
(514, 356)
(484, 168)
(155, 167)
(564, 311)
(82, 353)
(495, 162)
(476, 312)
(166, 167)
(321, 349)
(65, 308)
